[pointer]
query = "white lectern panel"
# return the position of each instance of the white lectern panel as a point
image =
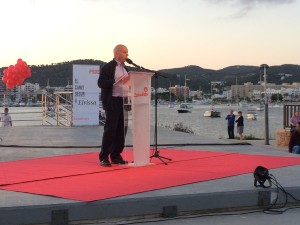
(140, 100)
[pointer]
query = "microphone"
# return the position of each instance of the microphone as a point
(129, 61)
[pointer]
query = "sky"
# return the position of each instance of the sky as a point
(159, 34)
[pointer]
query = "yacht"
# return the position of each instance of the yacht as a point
(171, 105)
(22, 104)
(243, 103)
(212, 113)
(185, 108)
(251, 115)
(260, 107)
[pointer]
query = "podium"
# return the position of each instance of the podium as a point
(140, 94)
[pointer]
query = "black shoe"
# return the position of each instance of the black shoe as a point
(119, 161)
(105, 163)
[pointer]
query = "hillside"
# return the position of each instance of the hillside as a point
(60, 74)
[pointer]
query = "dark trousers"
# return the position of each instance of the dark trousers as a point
(113, 140)
(230, 132)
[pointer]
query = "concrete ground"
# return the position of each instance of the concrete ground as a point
(227, 194)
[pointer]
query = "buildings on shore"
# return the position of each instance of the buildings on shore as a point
(244, 91)
(250, 91)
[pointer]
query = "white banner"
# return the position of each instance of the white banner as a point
(85, 95)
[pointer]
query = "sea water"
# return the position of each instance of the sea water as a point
(169, 117)
(217, 127)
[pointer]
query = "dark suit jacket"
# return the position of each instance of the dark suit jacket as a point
(106, 81)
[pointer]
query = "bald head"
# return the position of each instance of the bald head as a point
(120, 53)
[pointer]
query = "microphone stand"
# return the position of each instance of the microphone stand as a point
(156, 152)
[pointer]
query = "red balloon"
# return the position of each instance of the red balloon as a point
(19, 82)
(15, 75)
(11, 67)
(27, 74)
(4, 78)
(10, 86)
(5, 72)
(19, 61)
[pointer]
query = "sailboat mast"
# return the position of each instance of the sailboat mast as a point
(236, 91)
(170, 94)
(184, 88)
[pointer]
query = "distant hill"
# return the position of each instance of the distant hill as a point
(60, 74)
(200, 77)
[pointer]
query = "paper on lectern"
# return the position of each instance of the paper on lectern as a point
(123, 80)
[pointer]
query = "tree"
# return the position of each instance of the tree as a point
(276, 97)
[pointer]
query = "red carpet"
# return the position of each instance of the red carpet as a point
(89, 182)
(69, 165)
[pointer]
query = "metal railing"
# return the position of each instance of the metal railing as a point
(23, 118)
(288, 112)
(57, 110)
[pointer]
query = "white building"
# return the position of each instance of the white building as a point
(29, 87)
(226, 94)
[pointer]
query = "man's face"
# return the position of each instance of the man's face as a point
(121, 54)
(5, 112)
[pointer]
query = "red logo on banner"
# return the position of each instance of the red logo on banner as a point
(96, 72)
(144, 93)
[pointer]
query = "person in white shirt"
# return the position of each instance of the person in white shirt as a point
(6, 119)
(113, 97)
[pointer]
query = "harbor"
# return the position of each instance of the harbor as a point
(169, 117)
(217, 126)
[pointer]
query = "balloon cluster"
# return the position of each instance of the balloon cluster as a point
(15, 75)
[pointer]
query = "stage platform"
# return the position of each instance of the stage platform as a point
(230, 193)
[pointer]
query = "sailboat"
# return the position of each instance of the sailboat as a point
(243, 103)
(185, 107)
(260, 107)
(171, 104)
(212, 112)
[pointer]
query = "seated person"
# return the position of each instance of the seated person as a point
(294, 120)
(294, 145)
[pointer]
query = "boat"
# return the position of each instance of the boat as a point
(22, 104)
(185, 108)
(243, 103)
(29, 103)
(260, 107)
(277, 106)
(251, 116)
(171, 104)
(212, 113)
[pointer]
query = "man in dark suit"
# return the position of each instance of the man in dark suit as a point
(113, 93)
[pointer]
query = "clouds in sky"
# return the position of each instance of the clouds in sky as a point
(244, 7)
